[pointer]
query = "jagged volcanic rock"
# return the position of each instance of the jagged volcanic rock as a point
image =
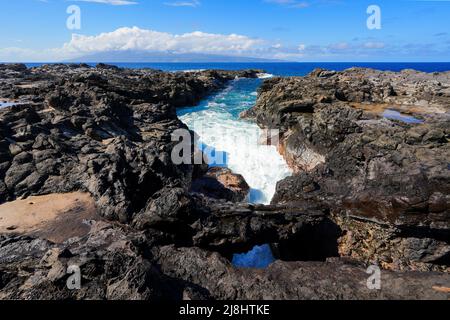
(386, 181)
(222, 183)
(103, 130)
(137, 231)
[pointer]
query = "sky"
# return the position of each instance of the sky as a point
(293, 30)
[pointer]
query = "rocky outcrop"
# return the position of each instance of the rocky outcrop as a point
(222, 183)
(385, 182)
(117, 262)
(104, 130)
(140, 227)
(332, 280)
(110, 261)
(301, 233)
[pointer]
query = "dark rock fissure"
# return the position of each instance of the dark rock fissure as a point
(315, 243)
(424, 233)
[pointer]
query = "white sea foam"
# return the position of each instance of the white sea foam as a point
(213, 104)
(265, 75)
(193, 70)
(235, 144)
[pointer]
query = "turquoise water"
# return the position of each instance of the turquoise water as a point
(6, 104)
(9, 104)
(239, 96)
(235, 143)
(232, 142)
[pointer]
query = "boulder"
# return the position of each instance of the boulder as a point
(222, 183)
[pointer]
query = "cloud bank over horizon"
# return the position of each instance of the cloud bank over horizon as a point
(149, 40)
(145, 40)
(137, 39)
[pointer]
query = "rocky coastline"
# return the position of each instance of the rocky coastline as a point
(366, 189)
(385, 182)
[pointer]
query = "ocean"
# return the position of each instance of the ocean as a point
(286, 68)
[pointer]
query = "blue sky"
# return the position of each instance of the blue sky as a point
(297, 30)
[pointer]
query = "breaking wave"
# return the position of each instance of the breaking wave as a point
(236, 143)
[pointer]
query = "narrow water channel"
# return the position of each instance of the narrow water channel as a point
(236, 143)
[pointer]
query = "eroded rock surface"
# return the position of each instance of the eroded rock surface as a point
(332, 280)
(222, 183)
(119, 262)
(103, 130)
(386, 182)
(92, 147)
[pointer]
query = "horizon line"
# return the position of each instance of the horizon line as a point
(207, 62)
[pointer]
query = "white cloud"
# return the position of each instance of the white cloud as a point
(339, 46)
(193, 3)
(142, 39)
(374, 45)
(288, 56)
(111, 2)
(16, 54)
(290, 3)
